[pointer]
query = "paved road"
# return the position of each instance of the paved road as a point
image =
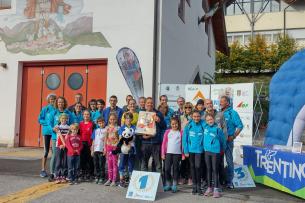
(19, 181)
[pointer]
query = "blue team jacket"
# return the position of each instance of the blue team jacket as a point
(192, 139)
(232, 120)
(44, 118)
(76, 118)
(214, 139)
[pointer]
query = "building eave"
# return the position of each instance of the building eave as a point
(219, 26)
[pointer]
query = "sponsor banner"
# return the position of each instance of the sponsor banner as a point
(241, 96)
(281, 170)
(245, 136)
(195, 92)
(144, 185)
(173, 91)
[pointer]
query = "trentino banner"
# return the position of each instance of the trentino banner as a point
(281, 170)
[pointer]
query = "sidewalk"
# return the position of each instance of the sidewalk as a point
(23, 153)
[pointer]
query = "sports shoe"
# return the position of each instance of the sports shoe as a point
(43, 174)
(208, 192)
(230, 186)
(190, 182)
(167, 188)
(57, 180)
(51, 178)
(97, 180)
(121, 184)
(194, 191)
(100, 181)
(216, 194)
(113, 184)
(71, 182)
(174, 188)
(63, 180)
(108, 183)
(181, 181)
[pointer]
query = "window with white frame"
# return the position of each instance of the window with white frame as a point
(5, 4)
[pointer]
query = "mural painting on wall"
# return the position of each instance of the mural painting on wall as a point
(49, 27)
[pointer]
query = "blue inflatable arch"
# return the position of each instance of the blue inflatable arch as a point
(287, 102)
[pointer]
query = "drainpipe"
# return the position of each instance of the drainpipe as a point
(155, 83)
(285, 16)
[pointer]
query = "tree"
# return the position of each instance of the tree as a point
(257, 57)
(222, 62)
(286, 47)
(236, 58)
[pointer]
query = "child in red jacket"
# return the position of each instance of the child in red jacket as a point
(86, 162)
(74, 146)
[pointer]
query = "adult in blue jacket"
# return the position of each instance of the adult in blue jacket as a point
(60, 108)
(43, 120)
(192, 142)
(113, 108)
(234, 126)
(77, 113)
(214, 144)
(151, 145)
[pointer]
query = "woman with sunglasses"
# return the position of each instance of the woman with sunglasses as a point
(185, 164)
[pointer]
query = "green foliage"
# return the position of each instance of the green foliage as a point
(256, 57)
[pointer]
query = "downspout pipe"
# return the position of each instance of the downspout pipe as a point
(155, 50)
(284, 30)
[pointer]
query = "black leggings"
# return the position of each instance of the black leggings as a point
(172, 160)
(222, 172)
(212, 163)
(46, 142)
(185, 169)
(195, 164)
(86, 161)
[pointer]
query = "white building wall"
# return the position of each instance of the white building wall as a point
(123, 23)
(184, 46)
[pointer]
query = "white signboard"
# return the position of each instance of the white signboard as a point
(242, 177)
(195, 92)
(172, 91)
(241, 96)
(144, 185)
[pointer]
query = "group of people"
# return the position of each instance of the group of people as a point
(102, 143)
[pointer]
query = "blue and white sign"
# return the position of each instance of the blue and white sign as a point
(144, 185)
(242, 177)
(282, 170)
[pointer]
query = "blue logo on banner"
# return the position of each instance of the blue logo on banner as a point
(285, 168)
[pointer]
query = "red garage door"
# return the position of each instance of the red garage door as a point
(63, 80)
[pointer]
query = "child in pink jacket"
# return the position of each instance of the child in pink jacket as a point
(172, 153)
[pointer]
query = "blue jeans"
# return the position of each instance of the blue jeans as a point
(61, 162)
(73, 167)
(126, 160)
(229, 159)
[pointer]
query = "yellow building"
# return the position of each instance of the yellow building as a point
(266, 17)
